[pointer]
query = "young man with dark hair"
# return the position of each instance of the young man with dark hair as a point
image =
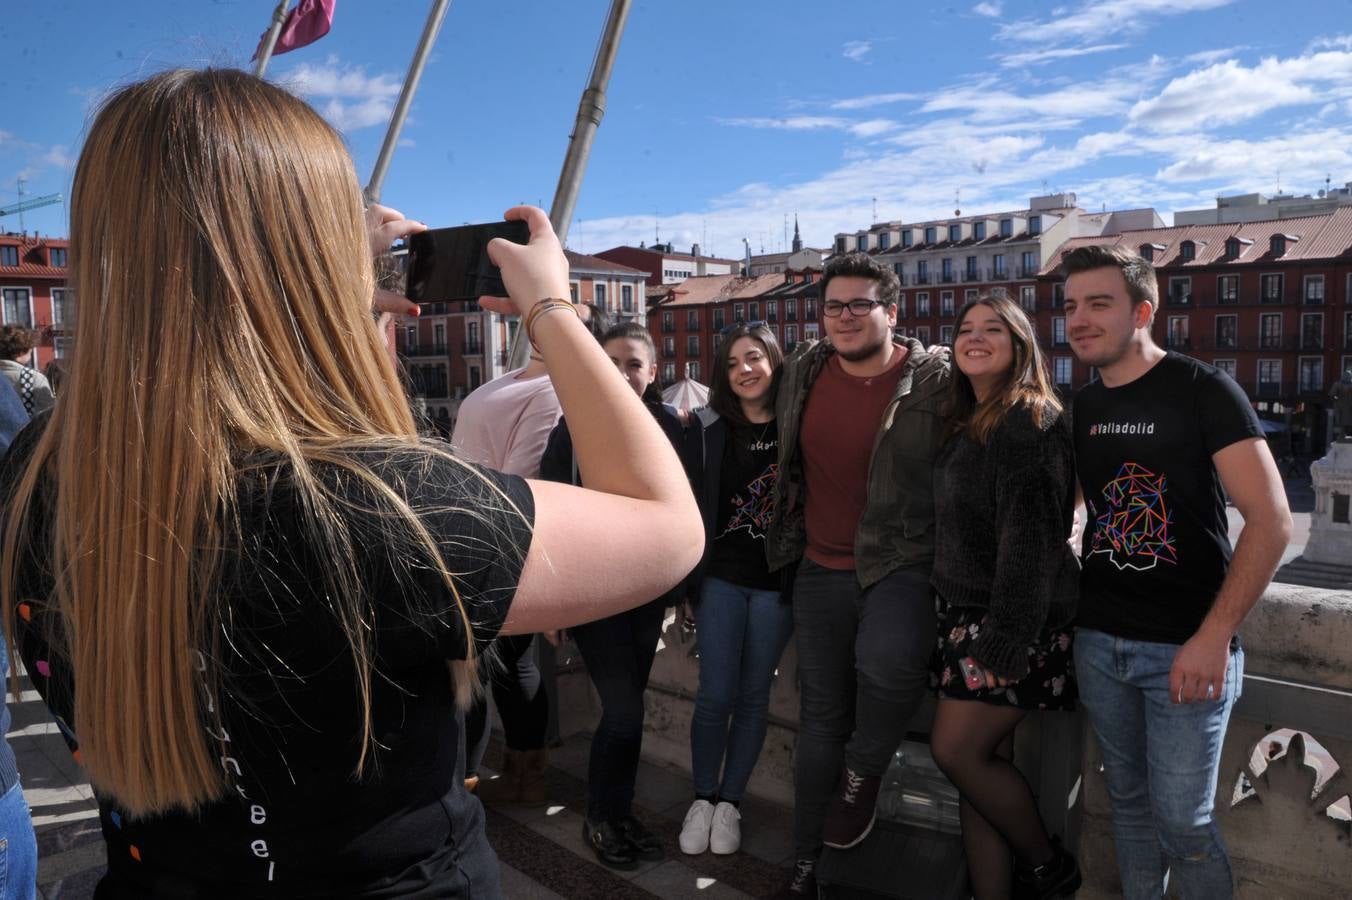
(860, 417)
(1160, 441)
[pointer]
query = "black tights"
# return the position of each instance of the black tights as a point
(973, 743)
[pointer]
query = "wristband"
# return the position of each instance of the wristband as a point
(548, 304)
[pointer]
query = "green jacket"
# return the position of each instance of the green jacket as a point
(896, 528)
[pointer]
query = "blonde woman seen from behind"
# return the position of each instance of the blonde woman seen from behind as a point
(233, 568)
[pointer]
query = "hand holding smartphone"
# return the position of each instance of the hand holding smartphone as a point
(972, 674)
(452, 264)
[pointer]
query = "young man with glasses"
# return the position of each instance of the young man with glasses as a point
(861, 418)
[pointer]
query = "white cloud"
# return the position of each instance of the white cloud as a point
(1037, 57)
(1339, 42)
(1098, 19)
(1229, 92)
(989, 9)
(873, 100)
(787, 123)
(345, 95)
(1207, 57)
(866, 129)
(857, 50)
(58, 156)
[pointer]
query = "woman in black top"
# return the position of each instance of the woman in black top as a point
(741, 622)
(235, 572)
(1006, 580)
(619, 650)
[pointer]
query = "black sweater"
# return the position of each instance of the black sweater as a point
(1003, 514)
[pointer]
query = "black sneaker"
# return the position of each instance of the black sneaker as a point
(610, 846)
(802, 884)
(646, 845)
(1058, 878)
(850, 816)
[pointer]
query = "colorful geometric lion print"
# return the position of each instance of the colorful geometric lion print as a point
(1134, 530)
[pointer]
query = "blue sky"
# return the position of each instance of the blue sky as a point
(725, 117)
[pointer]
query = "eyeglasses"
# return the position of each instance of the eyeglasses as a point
(859, 307)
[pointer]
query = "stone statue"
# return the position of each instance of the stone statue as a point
(1341, 395)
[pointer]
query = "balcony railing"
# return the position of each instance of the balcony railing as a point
(971, 275)
(1180, 343)
(1269, 389)
(1313, 300)
(425, 350)
(473, 348)
(668, 327)
(1180, 299)
(947, 278)
(1027, 272)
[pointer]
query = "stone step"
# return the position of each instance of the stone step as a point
(1315, 574)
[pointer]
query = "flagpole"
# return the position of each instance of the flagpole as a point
(415, 70)
(274, 31)
(590, 110)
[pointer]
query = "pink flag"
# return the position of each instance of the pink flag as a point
(307, 23)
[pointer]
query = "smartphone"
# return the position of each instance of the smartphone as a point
(448, 264)
(972, 674)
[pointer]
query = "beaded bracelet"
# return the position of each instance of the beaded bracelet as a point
(548, 304)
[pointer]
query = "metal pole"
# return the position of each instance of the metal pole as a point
(270, 42)
(415, 70)
(589, 112)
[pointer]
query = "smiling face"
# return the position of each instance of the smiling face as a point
(858, 338)
(983, 348)
(750, 374)
(631, 357)
(1100, 319)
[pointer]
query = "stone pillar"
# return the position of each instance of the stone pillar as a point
(1331, 524)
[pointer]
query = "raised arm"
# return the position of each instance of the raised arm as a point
(634, 531)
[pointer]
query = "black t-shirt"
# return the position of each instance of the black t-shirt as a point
(1156, 543)
(745, 483)
(296, 822)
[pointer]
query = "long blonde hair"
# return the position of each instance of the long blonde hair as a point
(1026, 383)
(221, 266)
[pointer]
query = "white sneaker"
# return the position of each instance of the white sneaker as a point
(725, 833)
(695, 828)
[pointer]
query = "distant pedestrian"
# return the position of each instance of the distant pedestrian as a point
(17, 364)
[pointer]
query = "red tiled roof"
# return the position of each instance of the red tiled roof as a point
(26, 267)
(664, 255)
(596, 264)
(704, 289)
(1325, 236)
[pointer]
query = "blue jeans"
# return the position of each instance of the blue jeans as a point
(1160, 761)
(18, 848)
(742, 633)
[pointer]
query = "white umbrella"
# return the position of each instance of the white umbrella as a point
(686, 394)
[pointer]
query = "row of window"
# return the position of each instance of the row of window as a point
(1234, 248)
(56, 256)
(18, 306)
(743, 312)
(971, 270)
(600, 295)
(1271, 288)
(1226, 334)
(953, 233)
(787, 337)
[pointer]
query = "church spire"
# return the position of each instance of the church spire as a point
(797, 240)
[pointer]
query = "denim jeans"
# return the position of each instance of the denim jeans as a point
(863, 670)
(619, 653)
(18, 848)
(741, 633)
(1161, 761)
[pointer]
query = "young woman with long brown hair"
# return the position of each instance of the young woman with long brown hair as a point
(742, 620)
(234, 570)
(1007, 581)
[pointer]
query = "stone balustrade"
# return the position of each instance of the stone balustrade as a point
(1288, 832)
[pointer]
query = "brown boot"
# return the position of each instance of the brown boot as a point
(534, 765)
(506, 788)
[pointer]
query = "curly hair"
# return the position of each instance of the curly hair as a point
(861, 265)
(16, 340)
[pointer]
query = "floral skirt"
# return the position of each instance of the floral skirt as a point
(1049, 684)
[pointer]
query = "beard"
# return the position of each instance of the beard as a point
(866, 351)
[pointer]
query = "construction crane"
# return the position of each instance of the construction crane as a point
(24, 205)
